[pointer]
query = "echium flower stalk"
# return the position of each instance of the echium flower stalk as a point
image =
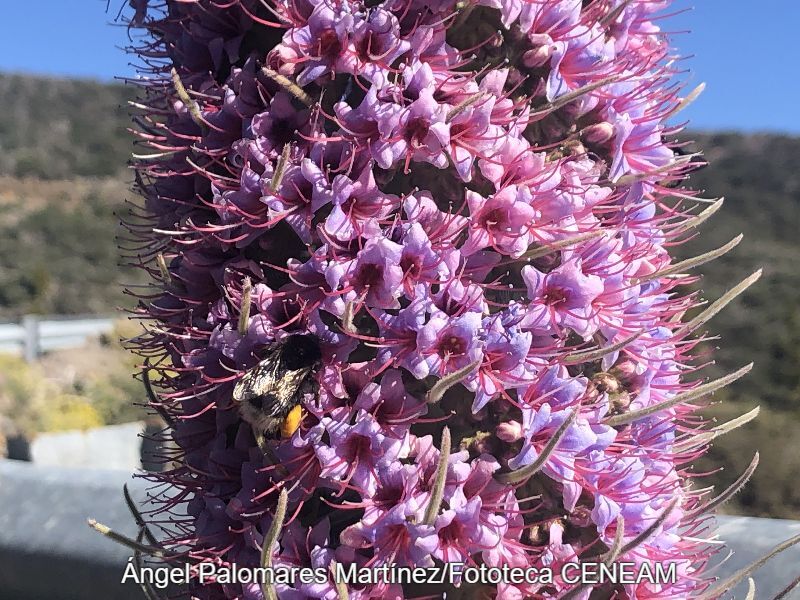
(468, 206)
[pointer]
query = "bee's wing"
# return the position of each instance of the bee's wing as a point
(286, 391)
(257, 381)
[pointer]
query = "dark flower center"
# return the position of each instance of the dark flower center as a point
(369, 275)
(494, 219)
(356, 447)
(284, 311)
(411, 266)
(329, 45)
(555, 295)
(282, 131)
(388, 495)
(452, 345)
(452, 533)
(416, 131)
(353, 208)
(370, 46)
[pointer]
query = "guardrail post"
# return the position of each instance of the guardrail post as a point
(30, 342)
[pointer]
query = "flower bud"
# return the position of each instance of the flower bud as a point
(599, 133)
(509, 431)
(537, 57)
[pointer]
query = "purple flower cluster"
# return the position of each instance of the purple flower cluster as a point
(469, 205)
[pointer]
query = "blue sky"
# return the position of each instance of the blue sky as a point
(747, 52)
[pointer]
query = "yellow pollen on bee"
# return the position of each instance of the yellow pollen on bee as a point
(292, 422)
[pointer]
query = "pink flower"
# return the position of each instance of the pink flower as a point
(501, 222)
(562, 298)
(470, 224)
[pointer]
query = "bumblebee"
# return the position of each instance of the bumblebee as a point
(270, 394)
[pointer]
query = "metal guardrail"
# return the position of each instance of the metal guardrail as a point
(47, 550)
(35, 334)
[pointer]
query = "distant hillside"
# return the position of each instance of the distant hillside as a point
(64, 148)
(60, 128)
(759, 176)
(58, 253)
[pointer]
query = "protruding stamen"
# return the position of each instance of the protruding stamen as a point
(192, 106)
(270, 539)
(445, 383)
(244, 308)
(153, 156)
(731, 491)
(691, 263)
(289, 85)
(437, 493)
(688, 396)
(529, 471)
(717, 306)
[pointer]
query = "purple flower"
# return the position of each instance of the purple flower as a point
(356, 451)
(355, 204)
(421, 263)
(397, 536)
(562, 298)
(278, 125)
(501, 222)
(374, 275)
(637, 144)
(419, 132)
(390, 403)
(399, 337)
(322, 44)
(437, 210)
(299, 196)
(505, 363)
(378, 44)
(448, 344)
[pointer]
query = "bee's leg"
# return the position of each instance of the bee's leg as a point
(291, 422)
(261, 440)
(269, 454)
